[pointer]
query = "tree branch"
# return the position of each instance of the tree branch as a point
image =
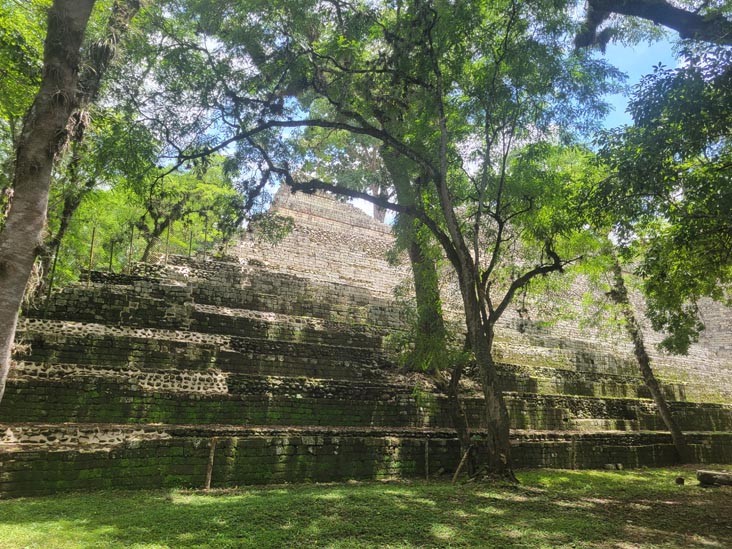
(710, 27)
(557, 265)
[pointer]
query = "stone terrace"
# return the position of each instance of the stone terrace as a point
(270, 366)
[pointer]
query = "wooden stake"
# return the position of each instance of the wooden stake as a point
(427, 458)
(205, 239)
(111, 255)
(50, 280)
(209, 467)
(462, 462)
(167, 243)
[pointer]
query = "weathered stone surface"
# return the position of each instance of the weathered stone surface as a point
(709, 478)
(279, 353)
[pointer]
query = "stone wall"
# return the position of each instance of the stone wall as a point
(276, 356)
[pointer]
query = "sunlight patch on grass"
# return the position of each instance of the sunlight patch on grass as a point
(442, 532)
(461, 514)
(576, 504)
(506, 496)
(492, 511)
(331, 496)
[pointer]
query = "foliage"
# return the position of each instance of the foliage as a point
(643, 508)
(22, 27)
(669, 191)
(197, 212)
(270, 227)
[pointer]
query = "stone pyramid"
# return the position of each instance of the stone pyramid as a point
(270, 366)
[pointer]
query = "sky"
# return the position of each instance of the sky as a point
(635, 61)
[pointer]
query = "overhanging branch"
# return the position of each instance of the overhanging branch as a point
(711, 27)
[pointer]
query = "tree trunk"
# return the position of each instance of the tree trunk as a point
(44, 135)
(431, 340)
(498, 443)
(430, 344)
(458, 417)
(52, 247)
(97, 60)
(379, 212)
(157, 231)
(480, 336)
(148, 248)
(619, 294)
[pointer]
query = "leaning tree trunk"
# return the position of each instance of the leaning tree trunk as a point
(431, 332)
(97, 61)
(619, 294)
(51, 249)
(431, 341)
(44, 135)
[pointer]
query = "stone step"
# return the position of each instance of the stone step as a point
(251, 287)
(215, 381)
(100, 345)
(544, 380)
(257, 324)
(173, 307)
(257, 288)
(239, 400)
(44, 459)
(600, 425)
(361, 263)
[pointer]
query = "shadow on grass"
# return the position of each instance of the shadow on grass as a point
(550, 509)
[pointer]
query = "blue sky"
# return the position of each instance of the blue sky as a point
(635, 61)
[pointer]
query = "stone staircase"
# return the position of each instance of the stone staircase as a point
(270, 366)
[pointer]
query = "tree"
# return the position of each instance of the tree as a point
(44, 135)
(425, 101)
(619, 295)
(669, 183)
(208, 195)
(21, 53)
(453, 91)
(353, 160)
(669, 187)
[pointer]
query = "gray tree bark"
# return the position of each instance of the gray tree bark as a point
(714, 28)
(97, 60)
(45, 133)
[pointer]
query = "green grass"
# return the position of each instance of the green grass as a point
(549, 509)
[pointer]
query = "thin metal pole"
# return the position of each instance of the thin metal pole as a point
(91, 256)
(167, 244)
(111, 255)
(190, 244)
(205, 239)
(129, 253)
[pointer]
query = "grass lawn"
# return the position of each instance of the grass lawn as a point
(622, 509)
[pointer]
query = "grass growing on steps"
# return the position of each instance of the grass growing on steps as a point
(551, 508)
